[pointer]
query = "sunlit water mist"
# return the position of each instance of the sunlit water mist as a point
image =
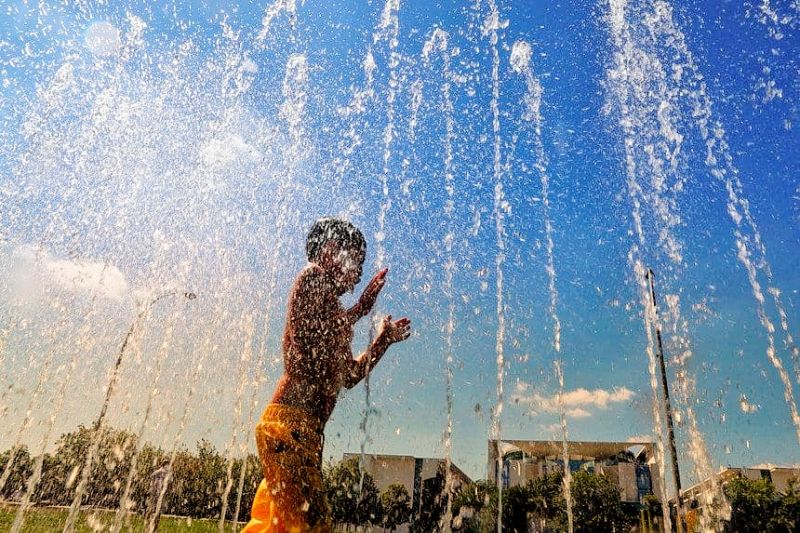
(139, 161)
(438, 44)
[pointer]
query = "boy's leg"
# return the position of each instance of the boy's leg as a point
(291, 497)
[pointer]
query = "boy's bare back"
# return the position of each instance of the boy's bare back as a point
(316, 345)
(318, 359)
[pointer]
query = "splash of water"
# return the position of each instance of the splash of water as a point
(245, 361)
(274, 10)
(521, 64)
(388, 31)
(492, 25)
(438, 43)
(622, 59)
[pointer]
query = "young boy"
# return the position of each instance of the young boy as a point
(318, 362)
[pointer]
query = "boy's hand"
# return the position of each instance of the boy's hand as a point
(396, 331)
(371, 292)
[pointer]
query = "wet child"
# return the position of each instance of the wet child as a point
(318, 362)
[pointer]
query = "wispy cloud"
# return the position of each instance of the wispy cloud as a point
(34, 269)
(578, 403)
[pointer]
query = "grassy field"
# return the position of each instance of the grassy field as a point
(47, 520)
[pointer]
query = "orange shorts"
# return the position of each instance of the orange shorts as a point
(291, 497)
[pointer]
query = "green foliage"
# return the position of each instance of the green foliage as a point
(653, 504)
(349, 505)
(596, 505)
(195, 488)
(547, 501)
(396, 505)
(790, 506)
(516, 506)
(755, 506)
(475, 508)
(15, 468)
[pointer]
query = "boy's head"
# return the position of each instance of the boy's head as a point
(339, 247)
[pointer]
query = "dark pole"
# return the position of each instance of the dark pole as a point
(667, 408)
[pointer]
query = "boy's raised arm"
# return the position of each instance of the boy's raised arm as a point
(390, 333)
(368, 297)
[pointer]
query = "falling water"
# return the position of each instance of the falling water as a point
(521, 63)
(622, 60)
(438, 42)
(245, 362)
(97, 428)
(388, 32)
(43, 378)
(207, 349)
(721, 166)
(636, 64)
(125, 503)
(57, 402)
(491, 26)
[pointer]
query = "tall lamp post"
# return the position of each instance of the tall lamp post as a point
(98, 423)
(667, 407)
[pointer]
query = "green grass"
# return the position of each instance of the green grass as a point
(48, 520)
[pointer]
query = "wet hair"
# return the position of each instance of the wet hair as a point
(342, 232)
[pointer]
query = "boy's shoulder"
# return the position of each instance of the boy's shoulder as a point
(312, 278)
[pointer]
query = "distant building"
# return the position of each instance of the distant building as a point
(626, 463)
(414, 473)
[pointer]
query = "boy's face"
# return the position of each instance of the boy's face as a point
(346, 267)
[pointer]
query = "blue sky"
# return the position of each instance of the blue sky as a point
(144, 168)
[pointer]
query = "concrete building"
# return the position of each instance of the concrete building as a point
(414, 473)
(626, 463)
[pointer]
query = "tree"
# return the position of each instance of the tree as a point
(111, 463)
(396, 504)
(595, 504)
(16, 467)
(790, 506)
(516, 506)
(754, 506)
(352, 500)
(475, 508)
(548, 506)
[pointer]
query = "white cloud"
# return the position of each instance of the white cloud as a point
(34, 269)
(640, 438)
(553, 429)
(578, 403)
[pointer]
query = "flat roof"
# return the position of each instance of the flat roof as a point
(574, 448)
